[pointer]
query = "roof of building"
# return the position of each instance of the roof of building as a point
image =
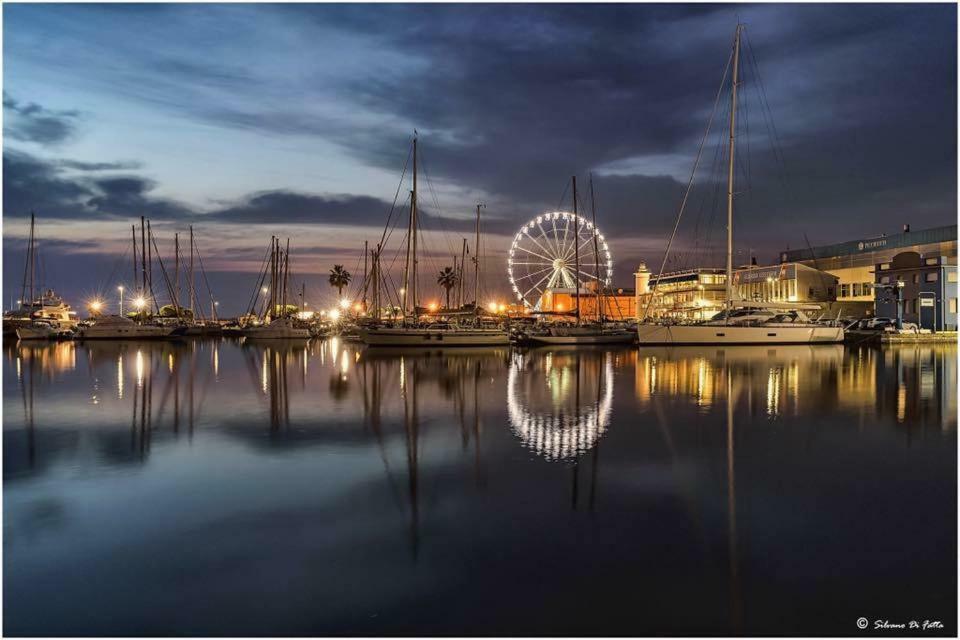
(854, 247)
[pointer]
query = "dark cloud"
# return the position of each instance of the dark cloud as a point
(287, 207)
(30, 122)
(78, 165)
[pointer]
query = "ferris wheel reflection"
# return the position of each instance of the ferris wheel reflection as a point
(559, 402)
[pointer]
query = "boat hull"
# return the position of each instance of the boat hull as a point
(31, 333)
(624, 337)
(655, 334)
(125, 333)
(433, 338)
(286, 333)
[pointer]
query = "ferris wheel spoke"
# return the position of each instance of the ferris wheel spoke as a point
(546, 250)
(546, 238)
(525, 293)
(532, 274)
(534, 253)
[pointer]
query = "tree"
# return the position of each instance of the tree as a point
(339, 278)
(448, 279)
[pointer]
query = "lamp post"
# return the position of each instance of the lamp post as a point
(120, 289)
(900, 285)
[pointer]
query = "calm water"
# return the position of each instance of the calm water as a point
(215, 488)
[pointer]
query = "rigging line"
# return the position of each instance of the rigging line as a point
(251, 306)
(203, 274)
(693, 174)
(710, 190)
(396, 195)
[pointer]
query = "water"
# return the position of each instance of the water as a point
(207, 487)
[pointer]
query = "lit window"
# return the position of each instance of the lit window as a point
(932, 261)
(933, 276)
(952, 275)
(885, 280)
(885, 266)
(953, 305)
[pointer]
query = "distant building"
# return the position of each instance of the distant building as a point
(788, 282)
(618, 303)
(854, 262)
(694, 294)
(928, 295)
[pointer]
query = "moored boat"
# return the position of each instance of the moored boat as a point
(120, 328)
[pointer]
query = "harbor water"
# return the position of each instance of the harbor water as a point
(202, 487)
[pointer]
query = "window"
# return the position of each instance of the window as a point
(885, 266)
(932, 261)
(885, 280)
(953, 305)
(810, 292)
(844, 290)
(855, 289)
(952, 275)
(933, 276)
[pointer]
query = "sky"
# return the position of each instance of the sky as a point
(248, 120)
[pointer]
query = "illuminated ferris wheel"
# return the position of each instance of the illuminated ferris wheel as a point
(543, 256)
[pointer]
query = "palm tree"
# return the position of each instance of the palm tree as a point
(339, 278)
(448, 279)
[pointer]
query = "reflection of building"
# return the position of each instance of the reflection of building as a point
(788, 282)
(694, 294)
(853, 262)
(929, 292)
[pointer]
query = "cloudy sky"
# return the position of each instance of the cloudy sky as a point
(296, 120)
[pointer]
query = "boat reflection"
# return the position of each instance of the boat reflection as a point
(559, 401)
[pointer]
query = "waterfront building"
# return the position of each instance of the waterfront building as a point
(618, 303)
(692, 294)
(788, 282)
(854, 261)
(925, 287)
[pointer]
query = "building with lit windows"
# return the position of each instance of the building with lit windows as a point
(786, 283)
(854, 262)
(924, 287)
(693, 294)
(617, 303)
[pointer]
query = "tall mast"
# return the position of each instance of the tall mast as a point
(730, 167)
(463, 263)
(411, 235)
(366, 282)
(596, 253)
(476, 267)
(415, 225)
(150, 266)
(176, 269)
(376, 281)
(143, 254)
(28, 269)
(286, 274)
(190, 277)
(133, 234)
(576, 246)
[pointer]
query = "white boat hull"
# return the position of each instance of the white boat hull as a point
(34, 333)
(652, 334)
(624, 337)
(135, 332)
(434, 337)
(279, 333)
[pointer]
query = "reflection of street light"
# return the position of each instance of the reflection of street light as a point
(334, 314)
(120, 289)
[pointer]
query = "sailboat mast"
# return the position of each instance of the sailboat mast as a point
(366, 282)
(133, 234)
(730, 166)
(176, 269)
(414, 227)
(596, 253)
(143, 254)
(405, 290)
(286, 277)
(190, 277)
(28, 269)
(576, 245)
(476, 267)
(463, 263)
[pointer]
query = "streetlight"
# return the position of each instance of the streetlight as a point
(344, 304)
(96, 306)
(120, 289)
(139, 303)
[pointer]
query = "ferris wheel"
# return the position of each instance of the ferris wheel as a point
(543, 256)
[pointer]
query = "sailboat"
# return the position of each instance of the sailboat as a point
(411, 333)
(740, 322)
(594, 332)
(276, 323)
(39, 316)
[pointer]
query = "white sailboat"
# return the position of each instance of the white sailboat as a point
(410, 333)
(740, 322)
(595, 332)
